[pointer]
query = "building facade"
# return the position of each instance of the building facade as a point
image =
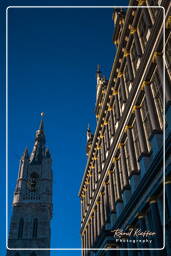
(32, 203)
(123, 183)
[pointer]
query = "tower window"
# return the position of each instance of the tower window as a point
(35, 226)
(33, 181)
(20, 229)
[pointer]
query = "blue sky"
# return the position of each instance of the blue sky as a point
(53, 54)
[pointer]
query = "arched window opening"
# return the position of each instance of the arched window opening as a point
(20, 228)
(35, 226)
(33, 181)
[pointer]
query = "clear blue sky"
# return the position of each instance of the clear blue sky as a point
(53, 54)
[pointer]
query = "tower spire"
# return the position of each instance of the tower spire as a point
(39, 145)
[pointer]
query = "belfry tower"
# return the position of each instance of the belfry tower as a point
(32, 203)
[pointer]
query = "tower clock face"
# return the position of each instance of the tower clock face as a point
(33, 182)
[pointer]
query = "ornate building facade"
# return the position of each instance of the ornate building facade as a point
(122, 187)
(32, 203)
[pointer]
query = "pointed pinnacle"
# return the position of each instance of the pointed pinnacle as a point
(41, 125)
(25, 154)
(98, 69)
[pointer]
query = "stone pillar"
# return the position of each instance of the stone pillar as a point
(151, 106)
(91, 185)
(112, 192)
(99, 161)
(141, 132)
(123, 92)
(93, 179)
(116, 103)
(131, 148)
(98, 218)
(130, 70)
(89, 234)
(102, 212)
(106, 201)
(156, 224)
(137, 41)
(112, 120)
(117, 180)
(107, 137)
(92, 231)
(158, 59)
(124, 167)
(95, 225)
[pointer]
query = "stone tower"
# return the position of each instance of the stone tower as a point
(32, 203)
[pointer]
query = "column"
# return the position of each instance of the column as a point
(99, 162)
(103, 149)
(117, 181)
(130, 70)
(131, 148)
(89, 234)
(96, 171)
(123, 92)
(112, 123)
(86, 245)
(116, 104)
(158, 58)
(112, 192)
(88, 193)
(124, 167)
(107, 137)
(141, 132)
(91, 185)
(98, 218)
(92, 232)
(137, 41)
(102, 209)
(105, 202)
(93, 179)
(151, 106)
(156, 224)
(95, 226)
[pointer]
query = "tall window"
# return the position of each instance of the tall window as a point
(35, 226)
(20, 228)
(158, 96)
